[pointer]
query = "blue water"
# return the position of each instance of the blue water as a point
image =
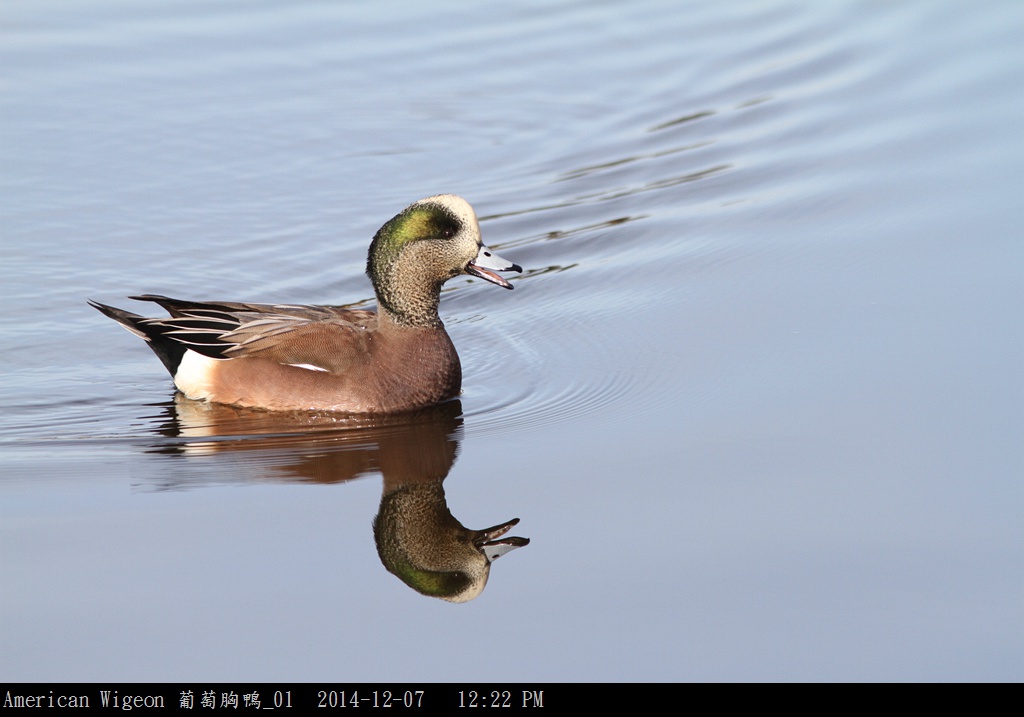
(757, 399)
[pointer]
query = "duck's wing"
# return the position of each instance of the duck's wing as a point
(325, 341)
(312, 337)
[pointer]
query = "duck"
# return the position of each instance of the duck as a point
(285, 357)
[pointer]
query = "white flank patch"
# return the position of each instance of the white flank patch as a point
(307, 366)
(194, 375)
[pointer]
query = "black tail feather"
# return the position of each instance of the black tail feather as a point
(167, 350)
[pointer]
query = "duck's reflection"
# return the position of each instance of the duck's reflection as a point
(418, 539)
(422, 543)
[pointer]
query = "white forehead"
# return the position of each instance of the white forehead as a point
(457, 206)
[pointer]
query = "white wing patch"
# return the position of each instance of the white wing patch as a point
(307, 366)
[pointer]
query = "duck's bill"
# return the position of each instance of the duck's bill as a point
(496, 549)
(493, 545)
(487, 263)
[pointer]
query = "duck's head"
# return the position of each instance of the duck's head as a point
(423, 246)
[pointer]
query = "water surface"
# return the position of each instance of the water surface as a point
(757, 398)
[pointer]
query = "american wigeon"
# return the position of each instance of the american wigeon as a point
(286, 357)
